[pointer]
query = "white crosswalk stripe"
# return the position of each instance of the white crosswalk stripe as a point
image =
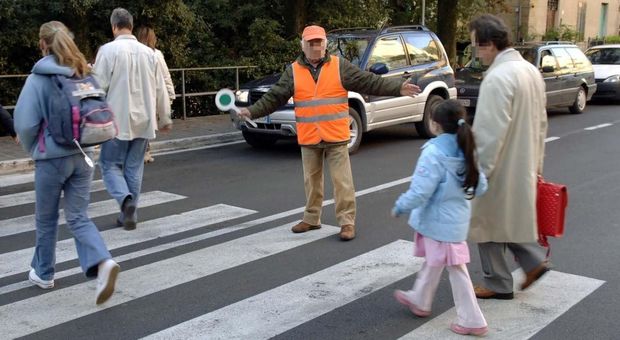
(77, 301)
(525, 315)
(280, 309)
(269, 313)
(17, 261)
(28, 197)
(27, 223)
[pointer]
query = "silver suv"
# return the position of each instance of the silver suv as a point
(408, 52)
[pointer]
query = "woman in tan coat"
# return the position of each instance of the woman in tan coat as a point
(510, 128)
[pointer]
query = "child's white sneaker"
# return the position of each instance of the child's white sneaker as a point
(106, 279)
(36, 280)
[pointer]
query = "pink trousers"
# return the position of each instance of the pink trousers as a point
(468, 313)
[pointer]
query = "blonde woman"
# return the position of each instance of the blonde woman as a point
(146, 35)
(59, 169)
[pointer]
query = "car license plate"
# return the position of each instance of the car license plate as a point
(464, 102)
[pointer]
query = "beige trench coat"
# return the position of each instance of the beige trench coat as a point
(510, 128)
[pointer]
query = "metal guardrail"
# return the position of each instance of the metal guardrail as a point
(207, 93)
(182, 70)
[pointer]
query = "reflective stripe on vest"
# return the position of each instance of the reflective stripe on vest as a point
(321, 107)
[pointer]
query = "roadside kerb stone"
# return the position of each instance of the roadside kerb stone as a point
(27, 164)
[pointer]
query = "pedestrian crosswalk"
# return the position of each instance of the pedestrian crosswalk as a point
(167, 253)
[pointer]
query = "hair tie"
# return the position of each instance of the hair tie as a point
(460, 122)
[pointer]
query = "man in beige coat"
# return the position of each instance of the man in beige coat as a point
(510, 128)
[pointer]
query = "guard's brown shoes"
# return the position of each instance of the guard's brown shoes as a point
(535, 274)
(347, 232)
(485, 293)
(302, 227)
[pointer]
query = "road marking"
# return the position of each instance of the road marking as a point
(27, 223)
(523, 317)
(590, 128)
(275, 311)
(23, 284)
(28, 197)
(551, 139)
(19, 261)
(76, 301)
(164, 152)
(8, 180)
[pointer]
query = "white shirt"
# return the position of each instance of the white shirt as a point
(128, 71)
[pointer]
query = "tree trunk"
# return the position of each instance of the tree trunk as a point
(446, 26)
(295, 14)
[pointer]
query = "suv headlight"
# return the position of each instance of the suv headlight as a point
(612, 79)
(242, 96)
(290, 101)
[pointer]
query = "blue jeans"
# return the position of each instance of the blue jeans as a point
(122, 167)
(72, 175)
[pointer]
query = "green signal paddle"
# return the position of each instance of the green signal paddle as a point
(225, 101)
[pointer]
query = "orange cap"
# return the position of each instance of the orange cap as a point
(313, 32)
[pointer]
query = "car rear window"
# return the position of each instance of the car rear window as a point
(604, 56)
(350, 48)
(422, 48)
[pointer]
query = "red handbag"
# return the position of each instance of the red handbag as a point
(551, 203)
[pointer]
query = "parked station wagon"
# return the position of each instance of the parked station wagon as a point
(568, 75)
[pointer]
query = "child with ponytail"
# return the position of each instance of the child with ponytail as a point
(444, 180)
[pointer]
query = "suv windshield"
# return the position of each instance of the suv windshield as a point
(351, 48)
(604, 56)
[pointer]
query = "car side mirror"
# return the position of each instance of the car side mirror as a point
(548, 69)
(379, 68)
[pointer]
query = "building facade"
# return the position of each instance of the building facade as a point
(590, 19)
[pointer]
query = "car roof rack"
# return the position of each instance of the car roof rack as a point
(405, 27)
(544, 43)
(557, 42)
(350, 29)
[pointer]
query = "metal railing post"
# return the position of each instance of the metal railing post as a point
(237, 78)
(183, 93)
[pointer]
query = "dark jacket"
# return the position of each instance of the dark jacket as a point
(353, 79)
(6, 121)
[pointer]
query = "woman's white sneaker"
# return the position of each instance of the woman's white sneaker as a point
(106, 279)
(36, 280)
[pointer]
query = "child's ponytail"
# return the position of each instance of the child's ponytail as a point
(466, 141)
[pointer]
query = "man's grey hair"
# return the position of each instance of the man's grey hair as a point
(121, 18)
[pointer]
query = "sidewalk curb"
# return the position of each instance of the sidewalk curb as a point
(27, 164)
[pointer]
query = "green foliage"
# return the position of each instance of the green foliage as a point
(200, 33)
(612, 39)
(564, 32)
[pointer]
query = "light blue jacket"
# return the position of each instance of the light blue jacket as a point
(436, 200)
(31, 110)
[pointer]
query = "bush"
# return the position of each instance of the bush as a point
(564, 32)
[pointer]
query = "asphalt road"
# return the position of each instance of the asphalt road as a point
(585, 157)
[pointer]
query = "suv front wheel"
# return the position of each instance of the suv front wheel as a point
(357, 130)
(424, 127)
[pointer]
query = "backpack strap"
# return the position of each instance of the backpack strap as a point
(75, 120)
(41, 137)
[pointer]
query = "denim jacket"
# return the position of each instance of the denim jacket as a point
(436, 199)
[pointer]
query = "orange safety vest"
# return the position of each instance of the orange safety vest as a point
(321, 107)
